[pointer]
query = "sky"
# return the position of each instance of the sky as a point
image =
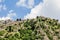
(28, 9)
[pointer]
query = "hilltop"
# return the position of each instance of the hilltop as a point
(40, 28)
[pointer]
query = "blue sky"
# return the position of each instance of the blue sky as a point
(12, 9)
(20, 11)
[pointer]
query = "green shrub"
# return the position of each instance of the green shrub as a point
(2, 32)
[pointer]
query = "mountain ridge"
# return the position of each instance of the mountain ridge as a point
(40, 28)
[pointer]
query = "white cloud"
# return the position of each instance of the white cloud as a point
(1, 0)
(30, 3)
(48, 8)
(23, 3)
(10, 15)
(4, 18)
(2, 7)
(34, 12)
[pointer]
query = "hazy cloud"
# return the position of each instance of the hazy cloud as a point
(3, 7)
(23, 3)
(48, 8)
(1, 1)
(10, 15)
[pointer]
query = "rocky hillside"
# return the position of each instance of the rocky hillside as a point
(40, 28)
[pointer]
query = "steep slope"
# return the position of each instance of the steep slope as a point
(40, 28)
